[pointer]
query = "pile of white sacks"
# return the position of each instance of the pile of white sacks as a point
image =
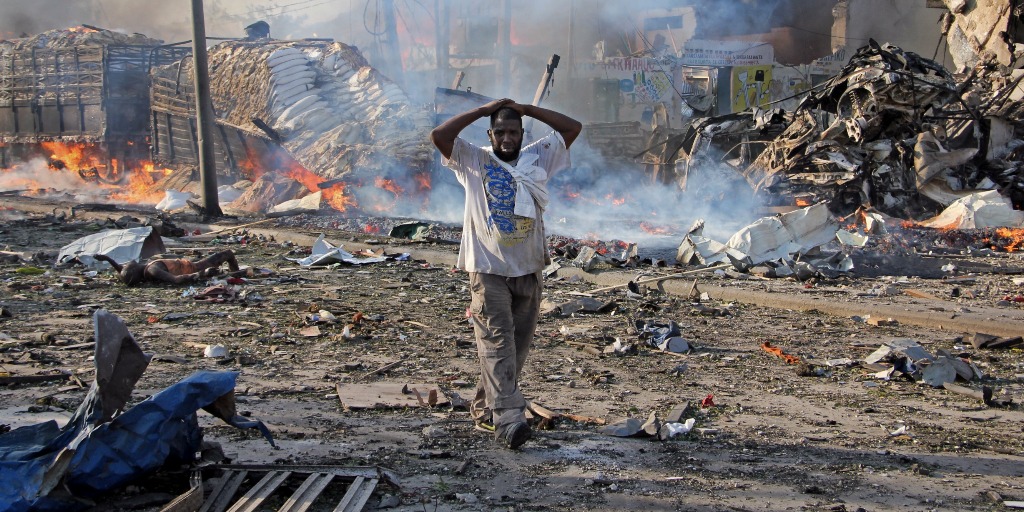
(333, 112)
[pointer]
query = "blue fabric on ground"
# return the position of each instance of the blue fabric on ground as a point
(154, 432)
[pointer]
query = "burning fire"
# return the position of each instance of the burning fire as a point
(616, 201)
(82, 29)
(130, 183)
(1015, 235)
(655, 230)
(422, 181)
(334, 195)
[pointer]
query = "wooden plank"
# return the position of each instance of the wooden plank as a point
(357, 496)
(224, 491)
(259, 492)
(307, 493)
(32, 379)
(189, 501)
(385, 395)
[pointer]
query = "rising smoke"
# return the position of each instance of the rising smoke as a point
(596, 198)
(29, 176)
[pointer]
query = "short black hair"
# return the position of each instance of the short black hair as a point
(506, 113)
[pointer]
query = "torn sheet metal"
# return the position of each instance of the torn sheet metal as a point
(980, 210)
(122, 245)
(900, 347)
(45, 467)
(781, 236)
(325, 253)
(932, 160)
(705, 251)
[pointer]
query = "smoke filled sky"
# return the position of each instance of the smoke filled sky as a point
(170, 20)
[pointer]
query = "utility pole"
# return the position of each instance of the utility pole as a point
(391, 53)
(442, 35)
(505, 49)
(204, 113)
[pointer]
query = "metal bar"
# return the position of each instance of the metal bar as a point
(224, 491)
(259, 492)
(307, 493)
(357, 496)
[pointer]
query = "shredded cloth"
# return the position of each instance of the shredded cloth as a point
(790, 359)
(177, 267)
(530, 195)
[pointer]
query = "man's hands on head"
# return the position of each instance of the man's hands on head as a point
(493, 106)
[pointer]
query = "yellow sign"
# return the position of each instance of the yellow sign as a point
(750, 87)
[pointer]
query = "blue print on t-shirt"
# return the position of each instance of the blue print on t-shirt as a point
(501, 197)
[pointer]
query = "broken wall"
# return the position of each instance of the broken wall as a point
(983, 27)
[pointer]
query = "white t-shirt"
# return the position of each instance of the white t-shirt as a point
(494, 239)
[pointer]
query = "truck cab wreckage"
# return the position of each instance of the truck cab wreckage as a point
(893, 131)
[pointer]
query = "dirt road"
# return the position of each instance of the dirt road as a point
(779, 437)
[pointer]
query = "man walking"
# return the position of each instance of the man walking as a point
(503, 245)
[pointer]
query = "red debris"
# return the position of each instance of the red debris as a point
(708, 401)
(790, 359)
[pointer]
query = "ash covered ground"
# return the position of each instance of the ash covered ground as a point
(809, 436)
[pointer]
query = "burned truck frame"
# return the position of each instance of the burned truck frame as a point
(93, 94)
(850, 141)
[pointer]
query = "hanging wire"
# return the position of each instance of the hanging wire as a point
(376, 19)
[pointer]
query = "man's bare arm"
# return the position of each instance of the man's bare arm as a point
(445, 134)
(566, 126)
(108, 259)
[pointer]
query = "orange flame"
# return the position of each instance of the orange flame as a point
(130, 185)
(655, 230)
(422, 181)
(1016, 235)
(616, 201)
(333, 195)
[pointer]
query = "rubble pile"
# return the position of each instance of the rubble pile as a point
(76, 37)
(893, 131)
(322, 102)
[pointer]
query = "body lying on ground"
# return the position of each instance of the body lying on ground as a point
(172, 270)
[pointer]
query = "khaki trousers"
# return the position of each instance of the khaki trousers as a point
(504, 315)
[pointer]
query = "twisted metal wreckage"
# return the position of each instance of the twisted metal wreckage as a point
(893, 131)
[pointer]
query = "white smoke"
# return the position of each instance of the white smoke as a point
(37, 178)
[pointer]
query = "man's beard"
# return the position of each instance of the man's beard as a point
(507, 156)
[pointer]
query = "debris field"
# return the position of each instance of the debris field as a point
(771, 385)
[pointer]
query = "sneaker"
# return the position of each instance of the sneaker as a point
(513, 435)
(484, 426)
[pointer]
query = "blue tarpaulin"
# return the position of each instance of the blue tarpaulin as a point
(45, 468)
